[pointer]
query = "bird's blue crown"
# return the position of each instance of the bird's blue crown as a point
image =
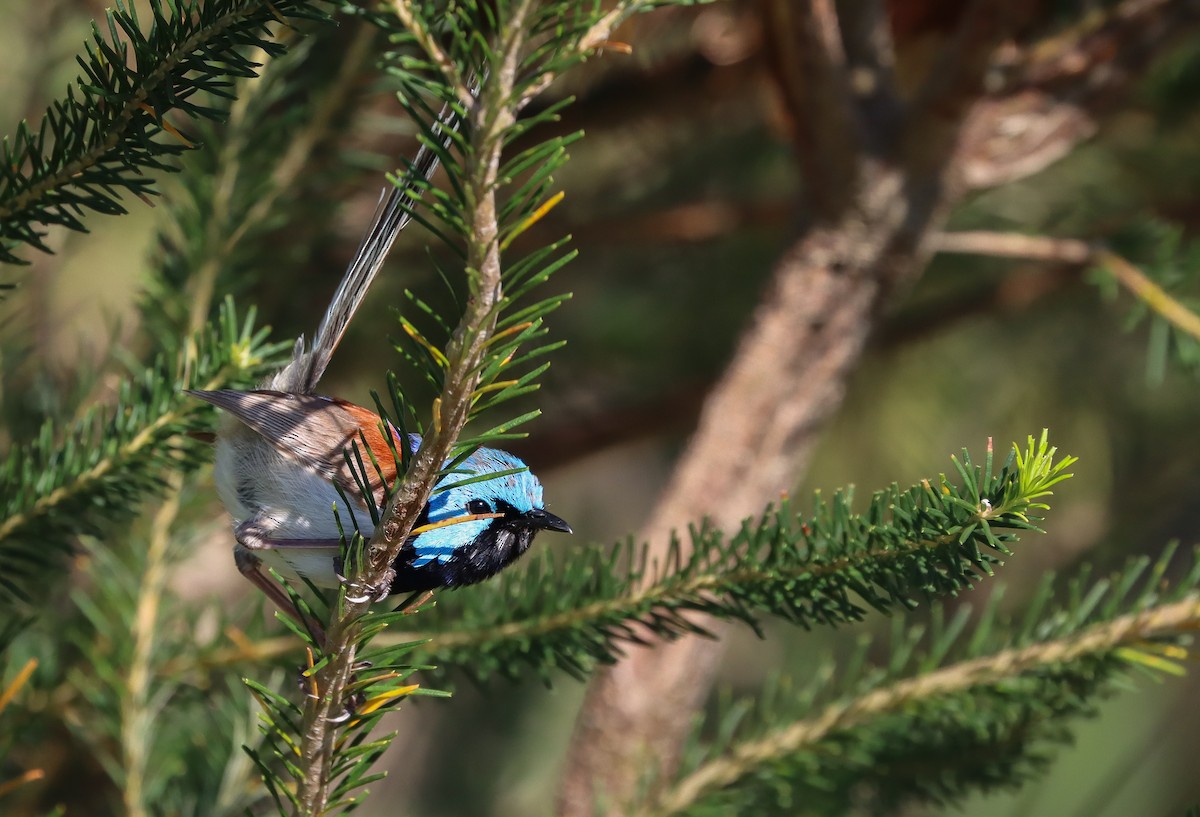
(519, 491)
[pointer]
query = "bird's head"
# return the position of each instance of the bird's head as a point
(511, 502)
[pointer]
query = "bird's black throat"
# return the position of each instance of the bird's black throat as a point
(500, 544)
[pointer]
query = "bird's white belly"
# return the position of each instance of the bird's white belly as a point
(287, 501)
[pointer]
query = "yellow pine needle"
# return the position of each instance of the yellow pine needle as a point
(426, 345)
(286, 738)
(384, 698)
(166, 125)
(13, 688)
(349, 730)
(497, 386)
(17, 782)
(371, 705)
(437, 415)
(1172, 651)
(512, 330)
(315, 691)
(366, 682)
(533, 218)
(1138, 655)
(445, 523)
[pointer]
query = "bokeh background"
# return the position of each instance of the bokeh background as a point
(680, 199)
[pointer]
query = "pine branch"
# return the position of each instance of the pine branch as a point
(136, 721)
(83, 479)
(225, 231)
(1074, 251)
(491, 116)
(105, 135)
(824, 568)
(504, 58)
(1170, 261)
(222, 213)
(137, 709)
(981, 708)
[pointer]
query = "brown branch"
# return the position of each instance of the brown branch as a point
(1013, 245)
(1018, 135)
(1054, 91)
(759, 425)
(880, 197)
(1073, 251)
(805, 53)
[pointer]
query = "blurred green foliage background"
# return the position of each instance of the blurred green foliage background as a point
(680, 199)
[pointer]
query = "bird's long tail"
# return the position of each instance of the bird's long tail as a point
(391, 216)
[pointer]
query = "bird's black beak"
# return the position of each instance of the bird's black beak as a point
(544, 520)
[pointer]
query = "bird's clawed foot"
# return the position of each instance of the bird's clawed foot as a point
(359, 592)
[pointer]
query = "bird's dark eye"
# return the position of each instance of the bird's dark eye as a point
(479, 506)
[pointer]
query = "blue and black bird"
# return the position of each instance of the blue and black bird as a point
(279, 462)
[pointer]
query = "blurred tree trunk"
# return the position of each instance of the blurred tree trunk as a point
(882, 168)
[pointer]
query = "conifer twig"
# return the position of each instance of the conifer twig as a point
(1150, 293)
(100, 138)
(1105, 638)
(1074, 251)
(800, 568)
(137, 712)
(485, 226)
(1013, 245)
(302, 141)
(126, 453)
(427, 41)
(491, 115)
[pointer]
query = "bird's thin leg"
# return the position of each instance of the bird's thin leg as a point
(250, 566)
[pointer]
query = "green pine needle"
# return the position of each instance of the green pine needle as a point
(96, 473)
(123, 118)
(984, 711)
(828, 567)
